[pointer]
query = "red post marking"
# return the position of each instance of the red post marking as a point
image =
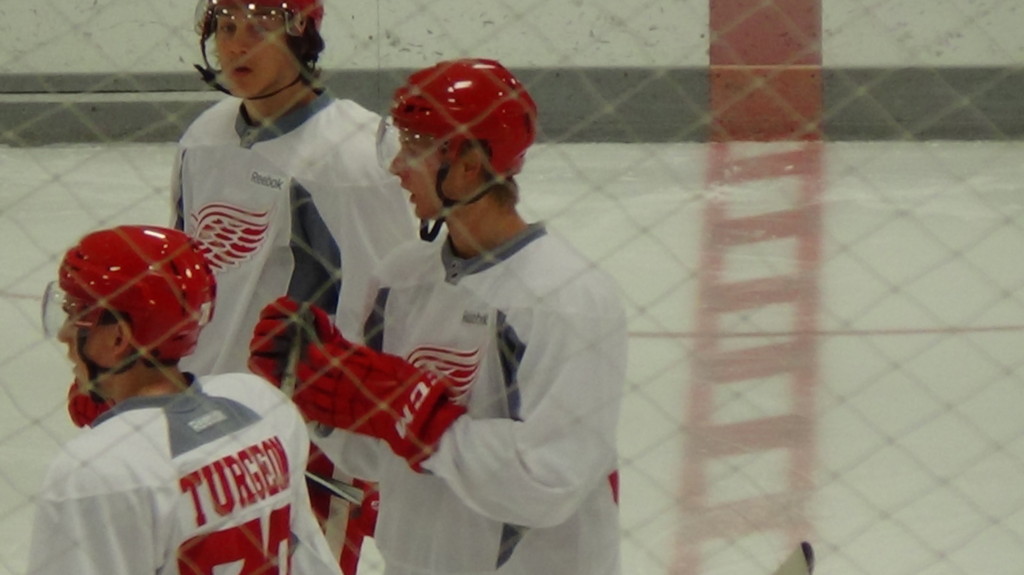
(786, 355)
(765, 81)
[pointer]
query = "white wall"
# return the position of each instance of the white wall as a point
(137, 36)
(928, 33)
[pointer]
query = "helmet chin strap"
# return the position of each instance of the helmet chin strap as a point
(279, 90)
(209, 76)
(430, 230)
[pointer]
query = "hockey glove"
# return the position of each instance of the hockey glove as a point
(84, 407)
(285, 328)
(352, 387)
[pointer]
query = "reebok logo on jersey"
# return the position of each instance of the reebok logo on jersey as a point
(267, 181)
(474, 317)
(229, 235)
(460, 367)
(206, 420)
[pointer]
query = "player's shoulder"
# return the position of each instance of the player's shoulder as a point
(337, 146)
(355, 111)
(342, 120)
(214, 123)
(122, 453)
(553, 247)
(250, 390)
(554, 268)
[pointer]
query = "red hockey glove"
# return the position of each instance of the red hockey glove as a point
(83, 407)
(352, 387)
(285, 327)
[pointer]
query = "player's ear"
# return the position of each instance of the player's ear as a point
(122, 344)
(473, 162)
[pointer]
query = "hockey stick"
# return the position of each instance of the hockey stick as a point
(799, 562)
(348, 559)
(339, 488)
(295, 352)
(335, 487)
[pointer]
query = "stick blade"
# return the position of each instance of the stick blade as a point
(799, 562)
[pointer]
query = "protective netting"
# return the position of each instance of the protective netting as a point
(825, 328)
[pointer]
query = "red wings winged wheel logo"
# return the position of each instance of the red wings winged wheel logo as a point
(461, 367)
(229, 235)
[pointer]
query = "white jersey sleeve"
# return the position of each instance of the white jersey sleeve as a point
(207, 479)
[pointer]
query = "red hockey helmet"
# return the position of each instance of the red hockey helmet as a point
(155, 278)
(297, 12)
(470, 99)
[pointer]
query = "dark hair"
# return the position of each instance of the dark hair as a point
(307, 49)
(504, 189)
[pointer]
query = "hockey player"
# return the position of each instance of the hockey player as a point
(487, 396)
(280, 185)
(184, 474)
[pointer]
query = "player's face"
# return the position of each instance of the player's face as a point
(95, 342)
(252, 50)
(416, 164)
(68, 319)
(74, 321)
(78, 368)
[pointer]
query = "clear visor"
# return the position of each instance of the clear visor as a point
(394, 143)
(227, 15)
(55, 309)
(388, 143)
(59, 309)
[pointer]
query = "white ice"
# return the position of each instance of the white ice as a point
(918, 465)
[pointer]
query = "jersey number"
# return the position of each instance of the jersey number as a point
(260, 551)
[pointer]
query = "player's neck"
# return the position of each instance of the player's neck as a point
(266, 110)
(144, 381)
(473, 234)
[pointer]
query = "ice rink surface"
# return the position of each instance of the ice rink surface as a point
(917, 459)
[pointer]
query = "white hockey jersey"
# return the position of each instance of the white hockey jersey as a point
(206, 481)
(298, 208)
(536, 338)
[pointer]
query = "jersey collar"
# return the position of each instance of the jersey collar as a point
(455, 268)
(187, 397)
(249, 135)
